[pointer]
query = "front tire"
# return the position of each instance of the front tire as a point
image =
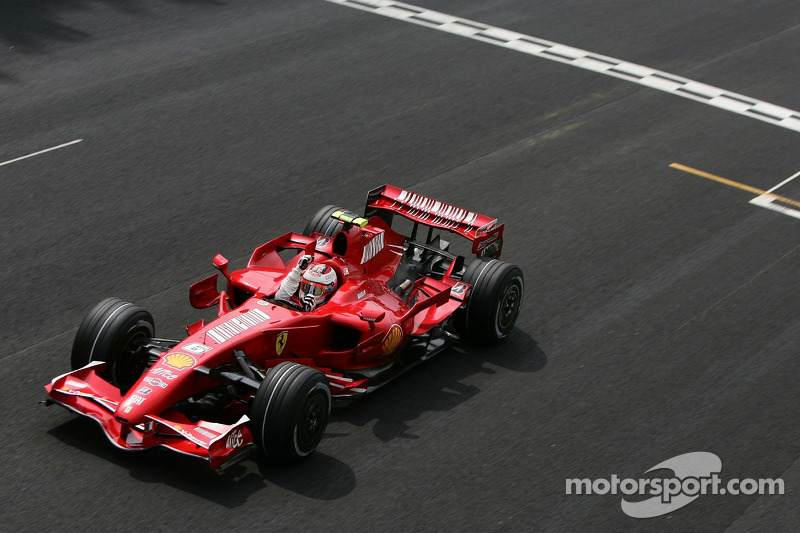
(290, 412)
(114, 331)
(493, 303)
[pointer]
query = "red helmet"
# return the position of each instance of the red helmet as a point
(319, 281)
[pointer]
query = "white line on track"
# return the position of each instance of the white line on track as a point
(40, 152)
(768, 203)
(768, 200)
(655, 79)
(784, 182)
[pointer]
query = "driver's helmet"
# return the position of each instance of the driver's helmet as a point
(319, 282)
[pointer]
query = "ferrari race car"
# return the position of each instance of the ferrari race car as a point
(263, 375)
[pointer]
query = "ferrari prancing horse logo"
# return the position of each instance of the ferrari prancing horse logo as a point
(280, 343)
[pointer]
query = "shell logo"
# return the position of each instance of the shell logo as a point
(179, 361)
(392, 339)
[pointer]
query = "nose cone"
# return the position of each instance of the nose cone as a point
(158, 389)
(133, 408)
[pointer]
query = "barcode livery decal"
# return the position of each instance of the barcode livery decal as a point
(372, 248)
(234, 326)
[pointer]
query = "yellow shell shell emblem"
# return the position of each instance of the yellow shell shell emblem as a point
(179, 361)
(280, 342)
(392, 339)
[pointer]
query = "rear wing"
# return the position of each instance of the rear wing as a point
(485, 233)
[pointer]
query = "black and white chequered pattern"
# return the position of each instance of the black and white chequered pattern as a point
(693, 90)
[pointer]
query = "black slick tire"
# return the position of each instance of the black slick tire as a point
(493, 303)
(322, 222)
(290, 412)
(114, 331)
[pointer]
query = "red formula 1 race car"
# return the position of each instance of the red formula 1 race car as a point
(313, 319)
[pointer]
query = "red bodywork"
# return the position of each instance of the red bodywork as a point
(364, 325)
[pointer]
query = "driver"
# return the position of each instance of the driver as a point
(307, 285)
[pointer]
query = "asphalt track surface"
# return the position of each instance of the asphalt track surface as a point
(661, 308)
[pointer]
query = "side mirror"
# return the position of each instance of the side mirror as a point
(311, 248)
(221, 264)
(371, 315)
(204, 293)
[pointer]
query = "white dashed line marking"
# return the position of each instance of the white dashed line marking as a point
(40, 152)
(655, 79)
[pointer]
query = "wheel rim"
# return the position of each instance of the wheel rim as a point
(311, 425)
(508, 309)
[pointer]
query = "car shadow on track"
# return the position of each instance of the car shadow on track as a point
(440, 384)
(437, 385)
(32, 26)
(321, 477)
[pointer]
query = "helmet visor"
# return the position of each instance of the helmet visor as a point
(314, 289)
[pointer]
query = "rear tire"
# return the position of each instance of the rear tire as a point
(322, 222)
(290, 412)
(493, 303)
(115, 332)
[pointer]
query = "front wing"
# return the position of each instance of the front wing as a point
(84, 392)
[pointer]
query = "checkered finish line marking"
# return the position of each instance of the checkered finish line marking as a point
(655, 79)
